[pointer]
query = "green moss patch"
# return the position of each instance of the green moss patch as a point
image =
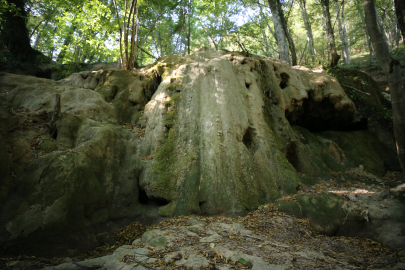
(163, 165)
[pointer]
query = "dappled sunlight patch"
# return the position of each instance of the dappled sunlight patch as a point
(357, 191)
(400, 187)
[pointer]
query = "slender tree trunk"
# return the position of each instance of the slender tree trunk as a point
(189, 26)
(35, 28)
(39, 36)
(265, 38)
(396, 25)
(400, 12)
(159, 43)
(345, 43)
(291, 45)
(361, 16)
(308, 29)
(331, 36)
(128, 24)
(342, 32)
(267, 22)
(216, 44)
(120, 29)
(381, 28)
(279, 31)
(392, 70)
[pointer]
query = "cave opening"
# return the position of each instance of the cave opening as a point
(322, 116)
(154, 86)
(144, 199)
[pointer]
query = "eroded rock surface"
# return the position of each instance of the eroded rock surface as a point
(209, 133)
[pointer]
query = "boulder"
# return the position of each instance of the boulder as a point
(207, 133)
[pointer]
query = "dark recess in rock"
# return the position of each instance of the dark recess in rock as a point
(145, 200)
(44, 73)
(321, 116)
(284, 80)
(292, 154)
(248, 138)
(155, 86)
(200, 204)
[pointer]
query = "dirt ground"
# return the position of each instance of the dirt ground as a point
(274, 237)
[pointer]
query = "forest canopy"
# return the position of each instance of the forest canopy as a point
(295, 31)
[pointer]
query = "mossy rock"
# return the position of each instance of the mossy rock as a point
(158, 242)
(47, 146)
(324, 211)
(290, 208)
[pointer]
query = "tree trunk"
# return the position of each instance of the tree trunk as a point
(400, 12)
(14, 34)
(331, 36)
(392, 70)
(279, 31)
(189, 27)
(359, 11)
(265, 38)
(267, 22)
(308, 29)
(35, 28)
(384, 36)
(291, 45)
(39, 35)
(159, 43)
(342, 32)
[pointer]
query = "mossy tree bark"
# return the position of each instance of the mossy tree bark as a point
(392, 70)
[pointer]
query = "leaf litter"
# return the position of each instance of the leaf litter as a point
(266, 234)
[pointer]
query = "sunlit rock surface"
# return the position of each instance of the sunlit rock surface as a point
(210, 133)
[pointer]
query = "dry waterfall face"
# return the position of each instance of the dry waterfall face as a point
(209, 133)
(217, 130)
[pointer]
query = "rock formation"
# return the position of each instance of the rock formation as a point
(209, 133)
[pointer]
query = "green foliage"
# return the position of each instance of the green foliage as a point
(64, 71)
(81, 31)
